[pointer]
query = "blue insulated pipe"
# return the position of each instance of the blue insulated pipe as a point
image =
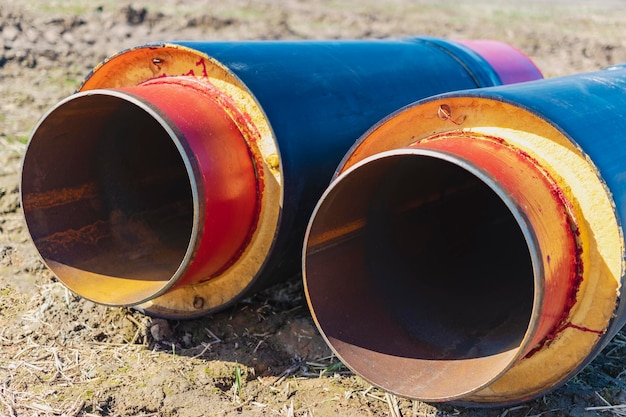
(470, 247)
(190, 169)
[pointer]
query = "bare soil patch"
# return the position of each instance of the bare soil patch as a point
(63, 355)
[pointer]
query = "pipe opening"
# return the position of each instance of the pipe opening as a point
(416, 270)
(107, 198)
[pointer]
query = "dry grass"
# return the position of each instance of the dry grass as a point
(64, 356)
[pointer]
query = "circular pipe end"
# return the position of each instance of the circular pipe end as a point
(424, 269)
(127, 193)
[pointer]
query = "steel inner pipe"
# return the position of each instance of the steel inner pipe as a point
(401, 299)
(181, 176)
(131, 197)
(470, 248)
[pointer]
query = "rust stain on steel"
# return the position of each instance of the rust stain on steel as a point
(582, 329)
(444, 112)
(60, 197)
(62, 242)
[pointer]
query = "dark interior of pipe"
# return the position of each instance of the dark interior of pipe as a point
(436, 283)
(106, 191)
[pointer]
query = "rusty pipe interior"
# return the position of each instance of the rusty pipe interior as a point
(416, 270)
(109, 197)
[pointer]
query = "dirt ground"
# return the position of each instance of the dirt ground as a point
(64, 356)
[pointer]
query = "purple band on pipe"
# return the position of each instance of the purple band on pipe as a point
(511, 64)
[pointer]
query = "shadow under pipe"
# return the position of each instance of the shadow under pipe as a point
(470, 247)
(181, 173)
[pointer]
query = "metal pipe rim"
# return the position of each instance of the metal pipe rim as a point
(170, 59)
(66, 273)
(352, 359)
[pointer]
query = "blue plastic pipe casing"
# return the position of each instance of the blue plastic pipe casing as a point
(482, 232)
